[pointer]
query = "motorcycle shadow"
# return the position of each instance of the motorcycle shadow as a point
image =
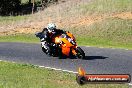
(86, 57)
(67, 58)
(94, 57)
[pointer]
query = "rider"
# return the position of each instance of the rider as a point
(47, 35)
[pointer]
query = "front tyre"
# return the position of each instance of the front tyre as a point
(80, 53)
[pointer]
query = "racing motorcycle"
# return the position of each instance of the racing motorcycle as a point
(64, 45)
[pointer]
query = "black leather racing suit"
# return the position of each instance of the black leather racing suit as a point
(46, 37)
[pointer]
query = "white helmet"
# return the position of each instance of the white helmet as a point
(51, 27)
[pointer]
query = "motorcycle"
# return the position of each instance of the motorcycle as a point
(64, 45)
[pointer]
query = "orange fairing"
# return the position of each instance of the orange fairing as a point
(70, 34)
(66, 46)
(57, 40)
(65, 50)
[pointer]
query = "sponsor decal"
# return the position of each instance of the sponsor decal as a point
(83, 78)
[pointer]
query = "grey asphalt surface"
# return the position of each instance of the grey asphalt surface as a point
(98, 60)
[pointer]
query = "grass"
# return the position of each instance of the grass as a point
(28, 38)
(14, 75)
(106, 6)
(101, 42)
(109, 32)
(12, 19)
(79, 8)
(81, 40)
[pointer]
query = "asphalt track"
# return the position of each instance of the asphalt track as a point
(97, 61)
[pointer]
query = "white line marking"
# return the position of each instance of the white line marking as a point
(130, 84)
(48, 68)
(101, 47)
(112, 48)
(58, 69)
(88, 46)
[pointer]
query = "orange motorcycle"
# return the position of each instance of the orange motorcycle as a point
(65, 45)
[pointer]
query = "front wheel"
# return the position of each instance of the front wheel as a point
(80, 53)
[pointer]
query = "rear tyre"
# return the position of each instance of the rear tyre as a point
(80, 53)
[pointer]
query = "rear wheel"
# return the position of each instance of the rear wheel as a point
(80, 53)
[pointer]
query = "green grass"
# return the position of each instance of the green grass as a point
(27, 38)
(106, 6)
(101, 42)
(112, 32)
(14, 75)
(82, 40)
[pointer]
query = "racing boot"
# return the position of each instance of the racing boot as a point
(45, 48)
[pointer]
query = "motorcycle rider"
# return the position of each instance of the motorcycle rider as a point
(46, 36)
